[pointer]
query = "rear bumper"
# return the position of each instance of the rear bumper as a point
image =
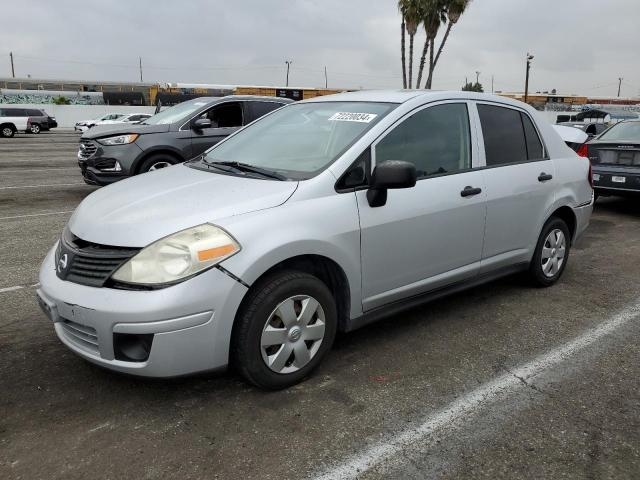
(583, 217)
(604, 180)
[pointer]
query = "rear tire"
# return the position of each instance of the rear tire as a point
(157, 162)
(551, 254)
(284, 329)
(7, 131)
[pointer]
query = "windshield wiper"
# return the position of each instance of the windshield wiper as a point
(245, 167)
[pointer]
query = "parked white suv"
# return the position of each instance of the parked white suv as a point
(324, 215)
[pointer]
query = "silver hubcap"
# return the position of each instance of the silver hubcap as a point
(7, 132)
(293, 334)
(553, 252)
(35, 129)
(159, 165)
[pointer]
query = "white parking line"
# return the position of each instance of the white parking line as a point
(11, 289)
(41, 186)
(18, 287)
(36, 215)
(38, 169)
(454, 415)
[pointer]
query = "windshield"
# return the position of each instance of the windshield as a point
(300, 140)
(627, 131)
(176, 113)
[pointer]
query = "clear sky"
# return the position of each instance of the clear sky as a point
(580, 46)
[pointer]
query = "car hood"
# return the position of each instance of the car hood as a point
(137, 211)
(101, 130)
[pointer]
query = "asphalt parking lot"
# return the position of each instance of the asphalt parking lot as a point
(502, 381)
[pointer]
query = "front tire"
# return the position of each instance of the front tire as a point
(551, 254)
(35, 128)
(157, 162)
(284, 329)
(7, 132)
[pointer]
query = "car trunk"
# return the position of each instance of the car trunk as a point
(615, 154)
(615, 165)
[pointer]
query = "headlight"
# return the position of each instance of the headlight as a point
(119, 140)
(178, 256)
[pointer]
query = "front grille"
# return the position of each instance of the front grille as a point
(89, 263)
(81, 335)
(87, 148)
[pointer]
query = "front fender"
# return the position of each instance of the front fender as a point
(326, 226)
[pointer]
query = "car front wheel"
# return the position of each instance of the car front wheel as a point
(157, 162)
(7, 132)
(35, 128)
(551, 254)
(284, 329)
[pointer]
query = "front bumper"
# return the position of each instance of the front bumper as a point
(190, 322)
(92, 167)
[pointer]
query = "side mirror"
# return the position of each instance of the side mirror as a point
(201, 123)
(390, 174)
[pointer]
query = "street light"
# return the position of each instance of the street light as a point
(526, 81)
(288, 62)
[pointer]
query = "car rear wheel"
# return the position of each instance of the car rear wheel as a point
(551, 254)
(34, 128)
(157, 162)
(7, 132)
(284, 329)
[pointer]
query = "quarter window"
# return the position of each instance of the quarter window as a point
(534, 145)
(436, 140)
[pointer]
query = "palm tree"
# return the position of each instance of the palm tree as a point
(433, 14)
(454, 10)
(412, 10)
(401, 7)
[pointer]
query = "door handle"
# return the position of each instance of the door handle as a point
(470, 191)
(544, 177)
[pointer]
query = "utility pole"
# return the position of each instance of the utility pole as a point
(526, 81)
(140, 58)
(619, 85)
(288, 62)
(492, 90)
(13, 72)
(326, 82)
(477, 76)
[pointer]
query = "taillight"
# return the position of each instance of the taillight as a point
(583, 151)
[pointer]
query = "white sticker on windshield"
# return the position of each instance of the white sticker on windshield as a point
(352, 117)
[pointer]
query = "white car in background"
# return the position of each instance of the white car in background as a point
(84, 125)
(9, 126)
(128, 118)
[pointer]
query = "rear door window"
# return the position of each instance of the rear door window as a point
(15, 112)
(503, 133)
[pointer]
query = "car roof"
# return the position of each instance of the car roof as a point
(402, 96)
(243, 98)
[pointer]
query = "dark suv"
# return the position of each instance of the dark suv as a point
(109, 153)
(40, 120)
